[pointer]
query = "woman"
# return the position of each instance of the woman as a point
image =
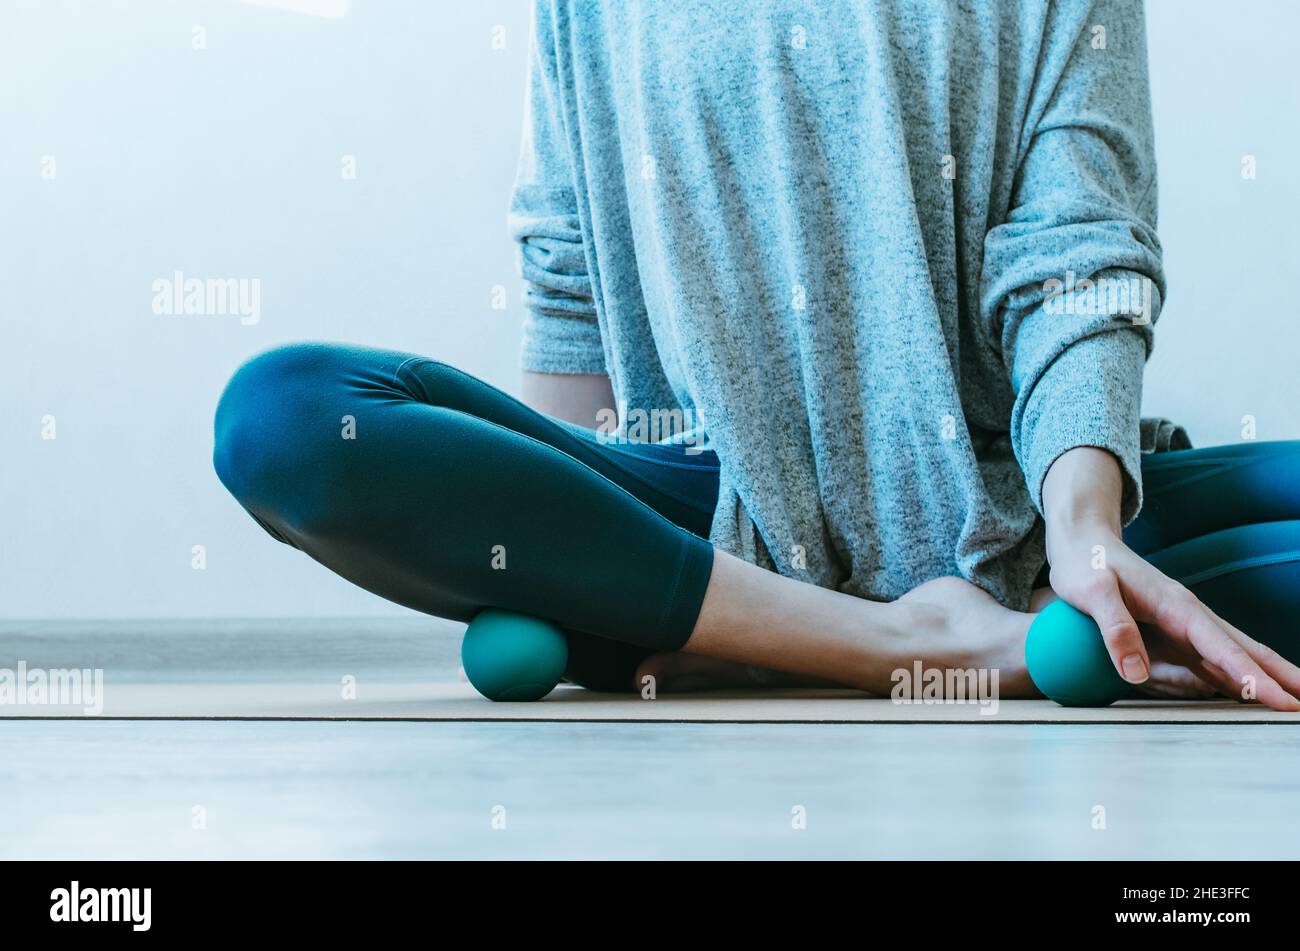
(862, 247)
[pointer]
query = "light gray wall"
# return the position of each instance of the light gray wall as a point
(1226, 84)
(227, 162)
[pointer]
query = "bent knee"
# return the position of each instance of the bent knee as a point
(274, 426)
(288, 441)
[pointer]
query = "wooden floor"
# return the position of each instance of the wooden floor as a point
(126, 789)
(380, 789)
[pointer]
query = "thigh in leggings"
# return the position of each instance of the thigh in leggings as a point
(437, 491)
(1225, 521)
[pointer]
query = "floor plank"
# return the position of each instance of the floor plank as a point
(106, 789)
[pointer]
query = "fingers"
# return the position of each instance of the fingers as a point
(1282, 670)
(1176, 682)
(1101, 598)
(1225, 685)
(1183, 615)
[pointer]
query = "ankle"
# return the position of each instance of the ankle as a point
(939, 636)
(906, 632)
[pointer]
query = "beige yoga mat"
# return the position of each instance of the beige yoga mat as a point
(458, 702)
(405, 668)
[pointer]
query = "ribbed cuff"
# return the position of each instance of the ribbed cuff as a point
(551, 359)
(1091, 395)
(555, 343)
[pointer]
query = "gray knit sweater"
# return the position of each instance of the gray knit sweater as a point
(893, 257)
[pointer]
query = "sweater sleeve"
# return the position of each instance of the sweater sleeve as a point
(1072, 279)
(561, 331)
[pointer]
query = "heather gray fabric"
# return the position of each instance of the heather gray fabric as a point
(850, 240)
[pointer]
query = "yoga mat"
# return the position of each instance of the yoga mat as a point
(459, 702)
(405, 668)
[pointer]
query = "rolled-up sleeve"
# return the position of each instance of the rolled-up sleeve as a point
(1072, 279)
(561, 329)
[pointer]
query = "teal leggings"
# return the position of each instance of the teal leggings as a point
(437, 491)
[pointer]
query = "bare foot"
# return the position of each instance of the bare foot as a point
(959, 625)
(675, 672)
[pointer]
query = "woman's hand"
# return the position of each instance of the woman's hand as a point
(1096, 572)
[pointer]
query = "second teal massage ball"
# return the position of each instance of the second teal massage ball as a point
(1067, 659)
(509, 656)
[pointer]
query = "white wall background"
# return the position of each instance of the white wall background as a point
(226, 162)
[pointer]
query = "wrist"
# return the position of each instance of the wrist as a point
(1083, 525)
(1074, 545)
(1082, 491)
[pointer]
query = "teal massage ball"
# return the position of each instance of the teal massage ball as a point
(509, 656)
(1067, 659)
